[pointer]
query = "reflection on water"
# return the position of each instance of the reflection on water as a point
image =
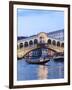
(42, 72)
(51, 70)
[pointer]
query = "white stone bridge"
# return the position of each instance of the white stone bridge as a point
(29, 44)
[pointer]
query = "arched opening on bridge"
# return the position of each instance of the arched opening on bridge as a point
(62, 45)
(58, 44)
(30, 42)
(21, 45)
(35, 41)
(54, 42)
(42, 40)
(49, 41)
(25, 44)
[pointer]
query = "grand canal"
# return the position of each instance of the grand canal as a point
(54, 69)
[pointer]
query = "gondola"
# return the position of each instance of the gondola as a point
(59, 58)
(40, 61)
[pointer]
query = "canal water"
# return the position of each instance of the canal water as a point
(54, 69)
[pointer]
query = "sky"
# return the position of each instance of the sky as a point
(31, 22)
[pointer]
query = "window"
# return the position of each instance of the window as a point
(25, 44)
(54, 42)
(62, 45)
(30, 42)
(35, 41)
(58, 44)
(21, 45)
(49, 41)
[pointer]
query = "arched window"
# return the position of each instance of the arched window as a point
(21, 45)
(49, 41)
(35, 41)
(58, 44)
(62, 45)
(54, 42)
(30, 42)
(25, 44)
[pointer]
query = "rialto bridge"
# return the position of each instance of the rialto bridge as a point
(24, 46)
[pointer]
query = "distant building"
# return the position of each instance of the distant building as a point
(59, 34)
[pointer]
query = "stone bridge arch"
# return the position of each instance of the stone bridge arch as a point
(24, 51)
(38, 48)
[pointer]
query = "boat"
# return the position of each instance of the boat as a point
(59, 58)
(40, 61)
